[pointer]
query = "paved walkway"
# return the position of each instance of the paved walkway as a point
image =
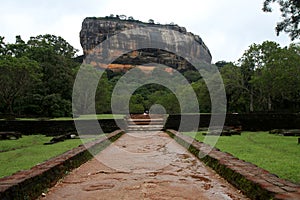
(143, 166)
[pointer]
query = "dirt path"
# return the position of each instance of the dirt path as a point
(144, 166)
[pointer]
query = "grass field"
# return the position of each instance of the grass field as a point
(24, 153)
(278, 154)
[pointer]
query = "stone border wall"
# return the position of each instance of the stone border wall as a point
(29, 184)
(54, 128)
(249, 122)
(253, 181)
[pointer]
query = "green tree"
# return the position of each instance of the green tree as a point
(136, 104)
(222, 63)
(103, 95)
(290, 12)
(266, 74)
(167, 99)
(55, 56)
(151, 21)
(188, 104)
(192, 76)
(2, 46)
(279, 79)
(270, 75)
(84, 90)
(42, 47)
(234, 86)
(249, 62)
(55, 106)
(55, 59)
(17, 77)
(203, 96)
(18, 49)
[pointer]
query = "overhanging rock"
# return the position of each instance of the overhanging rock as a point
(96, 30)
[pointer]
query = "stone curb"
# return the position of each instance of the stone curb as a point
(253, 181)
(29, 184)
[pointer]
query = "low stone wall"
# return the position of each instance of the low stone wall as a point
(253, 181)
(249, 122)
(30, 184)
(54, 128)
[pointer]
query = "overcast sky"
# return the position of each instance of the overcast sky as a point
(227, 27)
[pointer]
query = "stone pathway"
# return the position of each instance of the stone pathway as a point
(143, 165)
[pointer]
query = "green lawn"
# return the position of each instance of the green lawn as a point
(279, 155)
(21, 154)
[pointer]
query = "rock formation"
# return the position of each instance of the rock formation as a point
(96, 30)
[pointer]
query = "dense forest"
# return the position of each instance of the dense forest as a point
(37, 78)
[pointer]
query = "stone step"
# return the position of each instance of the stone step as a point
(144, 127)
(145, 123)
(142, 130)
(145, 120)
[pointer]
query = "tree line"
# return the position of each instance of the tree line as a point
(37, 78)
(265, 79)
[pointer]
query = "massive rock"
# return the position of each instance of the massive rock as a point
(96, 30)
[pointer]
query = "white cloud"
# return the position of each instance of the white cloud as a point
(227, 27)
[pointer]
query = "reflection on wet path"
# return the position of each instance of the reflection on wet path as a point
(144, 166)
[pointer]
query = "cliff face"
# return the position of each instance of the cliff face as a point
(96, 30)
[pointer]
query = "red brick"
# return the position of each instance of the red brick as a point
(288, 196)
(289, 189)
(274, 189)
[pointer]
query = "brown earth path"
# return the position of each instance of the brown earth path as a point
(143, 166)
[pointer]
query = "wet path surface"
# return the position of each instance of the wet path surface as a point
(144, 166)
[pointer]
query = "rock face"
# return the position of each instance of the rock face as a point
(96, 30)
